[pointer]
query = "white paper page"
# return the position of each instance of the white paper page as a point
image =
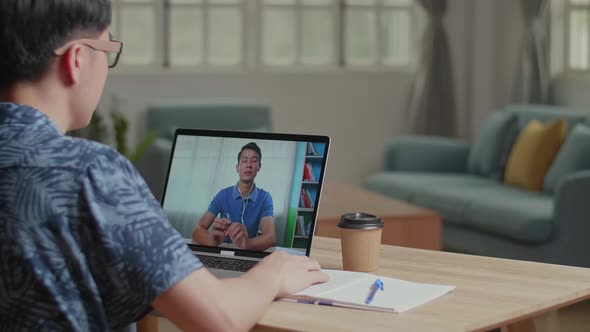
(354, 287)
(399, 295)
(338, 280)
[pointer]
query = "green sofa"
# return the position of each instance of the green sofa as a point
(483, 216)
(164, 118)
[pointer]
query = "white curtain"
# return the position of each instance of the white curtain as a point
(532, 76)
(432, 100)
(202, 166)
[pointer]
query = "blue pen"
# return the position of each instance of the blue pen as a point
(377, 285)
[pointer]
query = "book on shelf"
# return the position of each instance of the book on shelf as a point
(351, 290)
(311, 151)
(309, 168)
(307, 173)
(300, 226)
(309, 200)
(305, 199)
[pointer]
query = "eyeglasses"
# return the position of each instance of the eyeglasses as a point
(113, 48)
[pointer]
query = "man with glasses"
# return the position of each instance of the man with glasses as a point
(84, 246)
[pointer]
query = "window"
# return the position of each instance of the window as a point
(377, 32)
(133, 23)
(577, 31)
(298, 32)
(268, 33)
(206, 32)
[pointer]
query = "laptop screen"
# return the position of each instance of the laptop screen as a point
(250, 193)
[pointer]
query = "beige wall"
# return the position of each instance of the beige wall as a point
(361, 111)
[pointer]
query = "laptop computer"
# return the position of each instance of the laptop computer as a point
(238, 196)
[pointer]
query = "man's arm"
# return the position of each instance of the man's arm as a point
(267, 225)
(198, 301)
(201, 233)
(238, 233)
(268, 237)
(201, 301)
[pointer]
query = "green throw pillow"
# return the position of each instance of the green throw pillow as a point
(489, 153)
(573, 156)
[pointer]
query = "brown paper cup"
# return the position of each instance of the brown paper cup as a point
(360, 238)
(360, 249)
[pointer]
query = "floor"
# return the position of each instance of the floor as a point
(575, 318)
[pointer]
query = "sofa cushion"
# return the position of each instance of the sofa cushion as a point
(489, 152)
(473, 202)
(451, 201)
(409, 185)
(513, 213)
(573, 156)
(169, 134)
(546, 113)
(533, 152)
(215, 115)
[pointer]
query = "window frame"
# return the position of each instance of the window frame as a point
(379, 8)
(252, 39)
(206, 10)
(158, 42)
(299, 8)
(564, 63)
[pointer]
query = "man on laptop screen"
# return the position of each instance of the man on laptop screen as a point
(265, 209)
(243, 209)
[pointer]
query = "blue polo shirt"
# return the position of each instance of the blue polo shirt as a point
(257, 206)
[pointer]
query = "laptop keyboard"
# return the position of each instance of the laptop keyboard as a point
(231, 264)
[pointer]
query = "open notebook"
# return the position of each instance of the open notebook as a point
(350, 289)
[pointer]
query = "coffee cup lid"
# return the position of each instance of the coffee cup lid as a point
(360, 220)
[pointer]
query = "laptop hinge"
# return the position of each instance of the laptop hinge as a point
(227, 253)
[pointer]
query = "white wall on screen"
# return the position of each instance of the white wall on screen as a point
(202, 166)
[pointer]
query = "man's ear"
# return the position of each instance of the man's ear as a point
(238, 168)
(259, 166)
(70, 64)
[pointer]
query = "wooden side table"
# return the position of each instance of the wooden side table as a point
(405, 224)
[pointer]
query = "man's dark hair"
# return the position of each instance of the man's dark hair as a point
(30, 30)
(250, 146)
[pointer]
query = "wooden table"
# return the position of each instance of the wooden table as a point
(405, 224)
(490, 293)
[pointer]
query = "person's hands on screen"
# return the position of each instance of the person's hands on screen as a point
(238, 233)
(220, 228)
(295, 272)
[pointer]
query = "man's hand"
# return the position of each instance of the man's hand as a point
(219, 229)
(202, 302)
(238, 233)
(294, 273)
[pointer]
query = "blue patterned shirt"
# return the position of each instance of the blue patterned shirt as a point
(84, 246)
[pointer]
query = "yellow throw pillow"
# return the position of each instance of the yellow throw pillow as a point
(533, 152)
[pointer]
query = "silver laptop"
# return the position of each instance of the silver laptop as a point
(238, 196)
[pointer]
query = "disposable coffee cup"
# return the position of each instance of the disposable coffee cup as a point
(360, 238)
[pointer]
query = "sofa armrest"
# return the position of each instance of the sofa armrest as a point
(153, 165)
(426, 154)
(572, 220)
